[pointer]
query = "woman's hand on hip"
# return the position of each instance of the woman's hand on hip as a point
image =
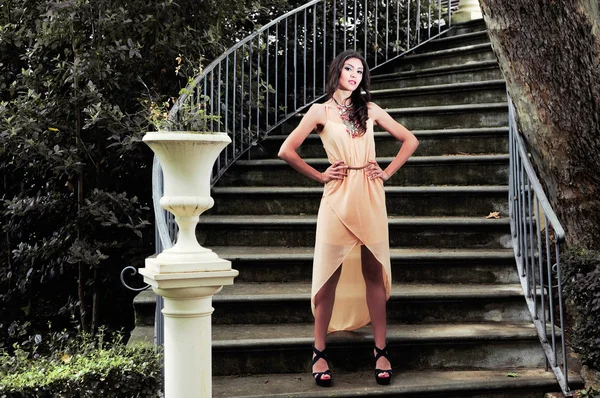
(336, 171)
(374, 171)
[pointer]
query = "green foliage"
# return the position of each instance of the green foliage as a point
(192, 112)
(588, 393)
(582, 290)
(75, 80)
(61, 365)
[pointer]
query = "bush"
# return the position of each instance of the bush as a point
(81, 367)
(582, 291)
(75, 181)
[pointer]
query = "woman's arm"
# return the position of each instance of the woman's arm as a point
(287, 152)
(401, 133)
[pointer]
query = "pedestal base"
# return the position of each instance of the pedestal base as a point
(158, 269)
(468, 10)
(459, 17)
(187, 312)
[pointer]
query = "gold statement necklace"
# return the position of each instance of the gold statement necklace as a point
(347, 116)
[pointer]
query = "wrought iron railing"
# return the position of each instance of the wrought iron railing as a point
(537, 239)
(269, 76)
(165, 232)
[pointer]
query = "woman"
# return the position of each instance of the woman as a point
(352, 245)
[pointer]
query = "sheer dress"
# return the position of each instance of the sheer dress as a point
(352, 213)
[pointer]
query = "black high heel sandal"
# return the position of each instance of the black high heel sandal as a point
(382, 353)
(318, 376)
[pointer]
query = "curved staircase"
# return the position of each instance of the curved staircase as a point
(458, 323)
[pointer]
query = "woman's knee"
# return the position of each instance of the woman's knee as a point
(371, 268)
(327, 291)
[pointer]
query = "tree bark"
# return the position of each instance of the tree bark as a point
(549, 53)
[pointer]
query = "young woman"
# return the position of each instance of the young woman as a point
(351, 270)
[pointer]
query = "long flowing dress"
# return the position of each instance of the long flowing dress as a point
(352, 213)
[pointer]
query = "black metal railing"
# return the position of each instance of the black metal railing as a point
(537, 240)
(269, 76)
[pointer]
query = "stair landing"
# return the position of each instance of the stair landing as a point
(504, 383)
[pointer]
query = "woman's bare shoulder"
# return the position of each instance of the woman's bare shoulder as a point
(374, 110)
(317, 114)
(318, 109)
(373, 107)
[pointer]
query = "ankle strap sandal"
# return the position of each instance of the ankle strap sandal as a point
(318, 376)
(378, 372)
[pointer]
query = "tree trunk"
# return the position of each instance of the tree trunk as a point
(549, 53)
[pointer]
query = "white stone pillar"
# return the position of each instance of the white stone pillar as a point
(187, 275)
(468, 10)
(188, 363)
(188, 342)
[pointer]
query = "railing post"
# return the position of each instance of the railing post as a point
(468, 10)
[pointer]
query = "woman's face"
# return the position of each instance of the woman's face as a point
(351, 76)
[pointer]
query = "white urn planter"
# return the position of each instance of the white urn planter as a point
(187, 275)
(187, 160)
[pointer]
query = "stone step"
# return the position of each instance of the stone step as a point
(466, 27)
(431, 143)
(419, 170)
(411, 265)
(456, 40)
(472, 72)
(417, 266)
(452, 116)
(249, 349)
(253, 350)
(500, 383)
(294, 264)
(278, 231)
(144, 305)
(142, 335)
(443, 94)
(402, 201)
(447, 57)
(281, 303)
(469, 116)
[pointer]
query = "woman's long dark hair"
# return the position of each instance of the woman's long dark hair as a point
(360, 111)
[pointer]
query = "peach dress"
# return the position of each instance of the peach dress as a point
(352, 213)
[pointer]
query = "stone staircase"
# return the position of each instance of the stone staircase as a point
(458, 324)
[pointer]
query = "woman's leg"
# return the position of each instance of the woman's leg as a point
(373, 274)
(324, 300)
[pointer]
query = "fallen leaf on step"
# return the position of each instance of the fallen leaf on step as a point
(493, 214)
(510, 374)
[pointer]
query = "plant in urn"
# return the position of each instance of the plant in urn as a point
(187, 275)
(186, 153)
